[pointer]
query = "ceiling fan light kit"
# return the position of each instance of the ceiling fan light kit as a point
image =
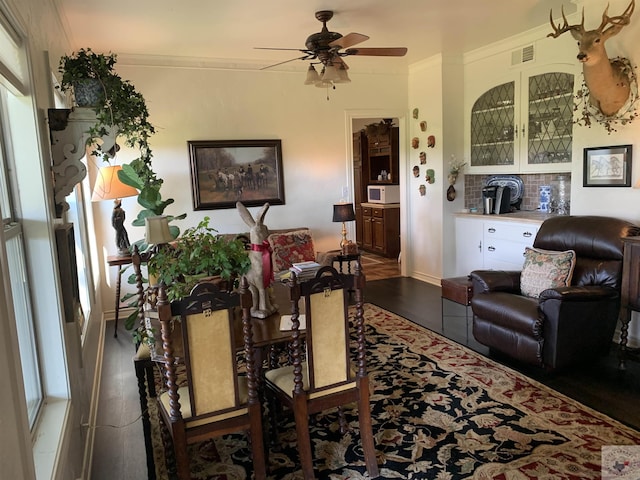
(328, 48)
(343, 77)
(312, 76)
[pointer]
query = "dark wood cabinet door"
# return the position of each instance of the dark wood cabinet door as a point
(378, 232)
(367, 231)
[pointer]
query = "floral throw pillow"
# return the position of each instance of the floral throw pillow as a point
(291, 247)
(544, 269)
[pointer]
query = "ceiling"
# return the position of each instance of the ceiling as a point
(222, 30)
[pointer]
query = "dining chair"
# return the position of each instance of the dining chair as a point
(142, 360)
(323, 374)
(214, 398)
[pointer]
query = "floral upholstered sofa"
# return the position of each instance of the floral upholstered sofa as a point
(295, 246)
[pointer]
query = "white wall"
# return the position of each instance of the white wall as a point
(425, 213)
(608, 201)
(493, 62)
(214, 104)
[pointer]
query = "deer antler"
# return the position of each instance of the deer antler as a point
(618, 21)
(609, 86)
(559, 30)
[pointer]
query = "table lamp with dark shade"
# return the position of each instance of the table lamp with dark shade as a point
(343, 212)
(109, 187)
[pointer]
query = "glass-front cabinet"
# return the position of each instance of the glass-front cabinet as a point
(550, 119)
(524, 125)
(493, 127)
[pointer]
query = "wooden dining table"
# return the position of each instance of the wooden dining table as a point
(266, 331)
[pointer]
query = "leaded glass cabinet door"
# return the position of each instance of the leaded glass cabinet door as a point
(492, 127)
(550, 122)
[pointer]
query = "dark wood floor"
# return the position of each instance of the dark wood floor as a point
(598, 384)
(119, 444)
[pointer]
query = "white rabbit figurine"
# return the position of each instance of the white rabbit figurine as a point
(258, 284)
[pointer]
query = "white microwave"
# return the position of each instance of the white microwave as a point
(383, 193)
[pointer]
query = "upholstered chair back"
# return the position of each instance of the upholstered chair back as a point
(597, 242)
(327, 325)
(212, 373)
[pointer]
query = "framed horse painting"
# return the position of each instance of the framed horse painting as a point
(224, 172)
(607, 166)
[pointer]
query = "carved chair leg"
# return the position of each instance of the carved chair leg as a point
(167, 443)
(304, 441)
(140, 367)
(272, 404)
(366, 429)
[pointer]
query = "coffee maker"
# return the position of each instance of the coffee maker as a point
(503, 200)
(489, 198)
(496, 199)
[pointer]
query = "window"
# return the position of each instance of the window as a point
(23, 316)
(18, 275)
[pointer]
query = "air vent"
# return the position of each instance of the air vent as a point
(523, 55)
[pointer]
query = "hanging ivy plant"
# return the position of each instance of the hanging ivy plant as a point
(118, 103)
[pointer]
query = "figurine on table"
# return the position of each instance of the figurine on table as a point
(117, 221)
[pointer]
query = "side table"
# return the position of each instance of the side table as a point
(458, 290)
(629, 293)
(345, 258)
(118, 261)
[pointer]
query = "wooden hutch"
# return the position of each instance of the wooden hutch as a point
(376, 150)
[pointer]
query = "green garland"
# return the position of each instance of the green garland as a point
(588, 113)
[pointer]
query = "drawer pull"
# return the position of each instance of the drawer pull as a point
(491, 230)
(491, 249)
(527, 234)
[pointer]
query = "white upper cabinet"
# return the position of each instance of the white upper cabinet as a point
(522, 124)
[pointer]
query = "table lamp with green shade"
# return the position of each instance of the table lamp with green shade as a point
(109, 187)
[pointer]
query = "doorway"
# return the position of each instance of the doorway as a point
(356, 121)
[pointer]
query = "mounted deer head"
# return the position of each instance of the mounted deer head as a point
(608, 86)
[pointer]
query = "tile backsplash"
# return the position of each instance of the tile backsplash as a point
(473, 189)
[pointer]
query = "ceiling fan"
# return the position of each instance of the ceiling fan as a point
(329, 48)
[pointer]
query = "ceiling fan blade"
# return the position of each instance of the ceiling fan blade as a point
(305, 57)
(377, 52)
(349, 40)
(274, 48)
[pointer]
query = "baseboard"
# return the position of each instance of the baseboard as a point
(425, 278)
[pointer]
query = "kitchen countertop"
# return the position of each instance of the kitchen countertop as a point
(380, 205)
(517, 216)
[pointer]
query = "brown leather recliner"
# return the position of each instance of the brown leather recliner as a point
(567, 324)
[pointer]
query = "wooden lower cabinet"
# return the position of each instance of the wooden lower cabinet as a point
(381, 229)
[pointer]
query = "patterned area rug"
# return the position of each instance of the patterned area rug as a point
(440, 411)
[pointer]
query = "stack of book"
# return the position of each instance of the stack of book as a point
(305, 270)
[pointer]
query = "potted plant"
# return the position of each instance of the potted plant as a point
(116, 102)
(198, 253)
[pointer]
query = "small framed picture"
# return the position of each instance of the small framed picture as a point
(607, 166)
